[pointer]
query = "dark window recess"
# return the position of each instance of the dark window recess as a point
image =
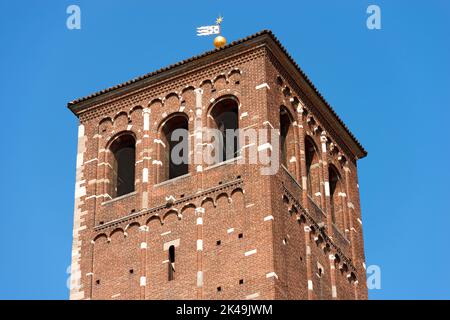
(123, 164)
(241, 281)
(279, 81)
(131, 271)
(334, 182)
(226, 119)
(97, 282)
(218, 242)
(176, 129)
(171, 271)
(320, 272)
(285, 124)
(241, 235)
(311, 159)
(219, 289)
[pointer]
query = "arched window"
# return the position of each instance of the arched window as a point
(335, 202)
(175, 153)
(171, 270)
(312, 169)
(226, 119)
(123, 150)
(287, 139)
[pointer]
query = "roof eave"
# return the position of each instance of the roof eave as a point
(265, 37)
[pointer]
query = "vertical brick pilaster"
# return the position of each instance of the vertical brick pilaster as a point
(146, 160)
(76, 287)
(360, 286)
(326, 184)
(199, 213)
(197, 158)
(302, 156)
(309, 268)
(143, 257)
(348, 204)
(333, 277)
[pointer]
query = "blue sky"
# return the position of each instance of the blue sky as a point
(390, 86)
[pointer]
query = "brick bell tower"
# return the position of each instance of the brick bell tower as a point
(146, 227)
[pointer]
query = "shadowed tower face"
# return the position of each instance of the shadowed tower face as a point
(156, 219)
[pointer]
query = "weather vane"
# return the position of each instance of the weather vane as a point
(219, 41)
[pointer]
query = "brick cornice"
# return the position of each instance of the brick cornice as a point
(181, 203)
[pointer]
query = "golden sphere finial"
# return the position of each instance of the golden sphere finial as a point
(220, 41)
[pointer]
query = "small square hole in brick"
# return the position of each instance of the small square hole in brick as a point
(133, 210)
(219, 289)
(218, 242)
(101, 222)
(241, 281)
(241, 235)
(131, 271)
(320, 272)
(97, 282)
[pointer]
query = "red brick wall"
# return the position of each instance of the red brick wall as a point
(121, 242)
